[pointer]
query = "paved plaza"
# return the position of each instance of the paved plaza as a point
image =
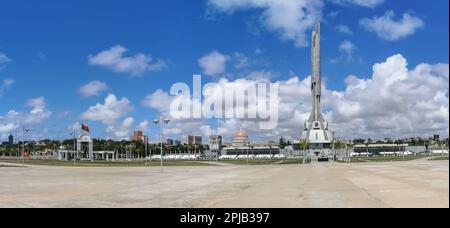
(419, 183)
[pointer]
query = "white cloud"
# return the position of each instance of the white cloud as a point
(158, 100)
(6, 84)
(333, 14)
(387, 28)
(9, 123)
(364, 3)
(108, 112)
(13, 120)
(74, 127)
(121, 131)
(347, 47)
(264, 76)
(347, 50)
(216, 64)
(393, 102)
(38, 112)
(7, 127)
(396, 101)
(4, 60)
(344, 29)
(93, 88)
(143, 125)
(291, 19)
(113, 114)
(213, 63)
(115, 60)
(241, 60)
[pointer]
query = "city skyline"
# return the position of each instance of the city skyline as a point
(112, 65)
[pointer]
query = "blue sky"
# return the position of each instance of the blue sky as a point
(46, 47)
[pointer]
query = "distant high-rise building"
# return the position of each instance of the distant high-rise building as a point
(169, 142)
(138, 136)
(215, 142)
(436, 137)
(11, 139)
(193, 140)
(282, 141)
(146, 139)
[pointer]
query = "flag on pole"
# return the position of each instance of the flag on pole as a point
(85, 127)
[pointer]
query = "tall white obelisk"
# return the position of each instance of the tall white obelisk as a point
(316, 129)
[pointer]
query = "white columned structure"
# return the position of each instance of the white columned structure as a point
(85, 138)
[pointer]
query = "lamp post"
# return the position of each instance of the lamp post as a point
(24, 130)
(247, 156)
(75, 150)
(334, 149)
(156, 122)
(145, 153)
(18, 150)
(23, 143)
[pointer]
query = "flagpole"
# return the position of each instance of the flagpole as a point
(75, 155)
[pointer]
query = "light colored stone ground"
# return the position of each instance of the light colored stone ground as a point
(400, 184)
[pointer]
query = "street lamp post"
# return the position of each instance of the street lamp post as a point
(334, 149)
(75, 155)
(145, 153)
(247, 156)
(24, 130)
(156, 122)
(23, 143)
(270, 147)
(18, 151)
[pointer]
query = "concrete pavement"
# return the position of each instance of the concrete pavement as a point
(397, 184)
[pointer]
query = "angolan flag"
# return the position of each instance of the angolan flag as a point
(85, 127)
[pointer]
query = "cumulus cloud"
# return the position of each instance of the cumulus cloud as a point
(393, 102)
(9, 122)
(110, 111)
(388, 28)
(143, 125)
(213, 63)
(158, 100)
(234, 65)
(344, 29)
(113, 113)
(122, 130)
(93, 88)
(4, 60)
(363, 3)
(7, 127)
(115, 60)
(396, 101)
(38, 112)
(5, 85)
(36, 115)
(291, 19)
(347, 50)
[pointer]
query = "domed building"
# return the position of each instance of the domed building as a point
(241, 146)
(241, 139)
